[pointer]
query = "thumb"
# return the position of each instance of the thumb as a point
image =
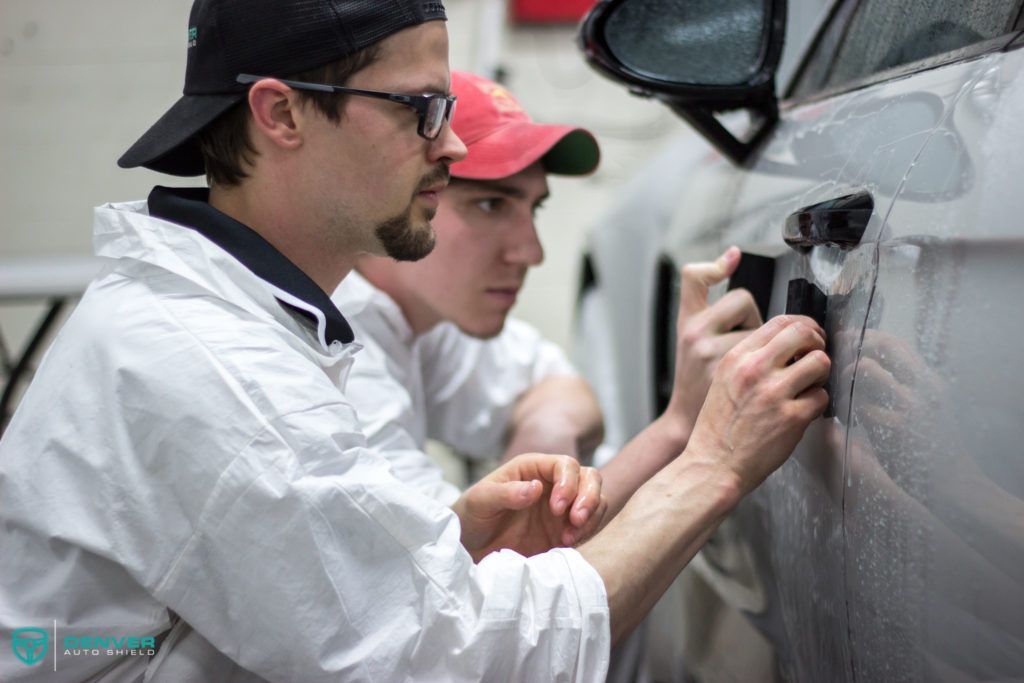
(493, 498)
(698, 278)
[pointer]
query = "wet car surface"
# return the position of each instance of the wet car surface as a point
(891, 545)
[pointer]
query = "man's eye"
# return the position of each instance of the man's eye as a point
(489, 205)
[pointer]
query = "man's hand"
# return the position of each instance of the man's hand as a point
(531, 504)
(705, 333)
(764, 394)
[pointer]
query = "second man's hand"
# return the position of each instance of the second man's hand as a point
(705, 333)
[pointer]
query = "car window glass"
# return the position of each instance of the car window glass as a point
(882, 35)
(801, 25)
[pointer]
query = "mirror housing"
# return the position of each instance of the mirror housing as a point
(630, 42)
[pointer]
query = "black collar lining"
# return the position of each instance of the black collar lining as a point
(190, 207)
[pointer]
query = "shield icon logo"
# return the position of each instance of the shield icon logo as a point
(29, 644)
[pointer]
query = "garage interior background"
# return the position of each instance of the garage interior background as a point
(79, 81)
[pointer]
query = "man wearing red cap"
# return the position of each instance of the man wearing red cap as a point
(426, 371)
(444, 361)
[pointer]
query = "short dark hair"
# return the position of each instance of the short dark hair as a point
(225, 143)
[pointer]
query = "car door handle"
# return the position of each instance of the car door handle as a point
(839, 222)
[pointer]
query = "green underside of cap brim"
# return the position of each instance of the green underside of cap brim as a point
(575, 154)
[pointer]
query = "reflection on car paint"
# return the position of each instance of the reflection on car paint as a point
(891, 546)
(935, 523)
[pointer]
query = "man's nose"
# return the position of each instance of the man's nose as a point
(525, 247)
(447, 146)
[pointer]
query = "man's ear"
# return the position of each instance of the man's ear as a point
(275, 114)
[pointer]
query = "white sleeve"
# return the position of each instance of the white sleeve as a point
(387, 414)
(237, 491)
(310, 562)
(472, 385)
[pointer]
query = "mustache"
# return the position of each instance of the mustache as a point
(441, 174)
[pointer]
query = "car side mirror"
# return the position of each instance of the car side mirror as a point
(700, 57)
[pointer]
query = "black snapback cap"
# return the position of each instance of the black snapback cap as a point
(271, 37)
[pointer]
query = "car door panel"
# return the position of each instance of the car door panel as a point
(935, 492)
(865, 141)
(889, 546)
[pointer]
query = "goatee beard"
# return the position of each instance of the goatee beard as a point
(404, 242)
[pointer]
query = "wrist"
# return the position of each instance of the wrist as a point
(675, 430)
(719, 484)
(459, 508)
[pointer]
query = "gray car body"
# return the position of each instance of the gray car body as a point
(891, 545)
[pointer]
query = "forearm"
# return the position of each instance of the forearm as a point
(734, 445)
(656, 534)
(640, 459)
(557, 415)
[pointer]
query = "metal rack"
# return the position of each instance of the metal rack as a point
(55, 281)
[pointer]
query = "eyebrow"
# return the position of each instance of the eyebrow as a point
(424, 89)
(503, 189)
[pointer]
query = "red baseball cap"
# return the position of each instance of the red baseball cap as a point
(503, 139)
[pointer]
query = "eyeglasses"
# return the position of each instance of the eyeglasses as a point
(433, 108)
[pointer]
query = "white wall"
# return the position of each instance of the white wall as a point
(80, 80)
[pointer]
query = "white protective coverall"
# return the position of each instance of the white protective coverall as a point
(185, 459)
(442, 384)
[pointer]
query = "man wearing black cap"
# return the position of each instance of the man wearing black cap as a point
(185, 491)
(201, 505)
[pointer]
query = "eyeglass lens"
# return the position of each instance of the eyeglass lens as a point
(435, 117)
(439, 109)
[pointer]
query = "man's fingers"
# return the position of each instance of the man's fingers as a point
(572, 535)
(810, 371)
(764, 334)
(712, 349)
(523, 494)
(737, 309)
(812, 402)
(797, 339)
(567, 473)
(516, 495)
(588, 498)
(724, 343)
(488, 499)
(697, 278)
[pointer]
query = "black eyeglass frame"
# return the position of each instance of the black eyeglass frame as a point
(421, 103)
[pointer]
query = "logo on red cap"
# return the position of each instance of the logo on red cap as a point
(503, 100)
